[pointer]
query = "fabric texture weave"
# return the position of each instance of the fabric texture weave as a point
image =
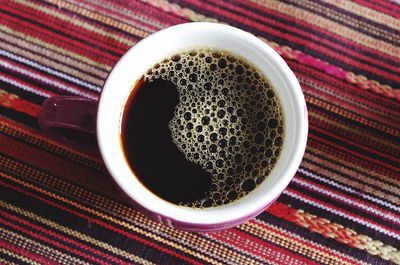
(59, 206)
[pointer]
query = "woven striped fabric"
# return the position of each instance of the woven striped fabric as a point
(59, 206)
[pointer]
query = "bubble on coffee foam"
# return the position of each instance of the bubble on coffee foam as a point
(228, 120)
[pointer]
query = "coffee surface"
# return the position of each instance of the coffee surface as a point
(202, 128)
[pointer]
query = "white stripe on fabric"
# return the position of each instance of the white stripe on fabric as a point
(46, 80)
(350, 190)
(347, 201)
(50, 71)
(24, 87)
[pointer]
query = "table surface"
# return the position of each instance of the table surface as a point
(59, 206)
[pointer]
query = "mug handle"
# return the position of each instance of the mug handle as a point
(70, 120)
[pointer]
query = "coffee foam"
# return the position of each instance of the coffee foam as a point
(228, 120)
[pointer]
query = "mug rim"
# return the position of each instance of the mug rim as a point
(165, 211)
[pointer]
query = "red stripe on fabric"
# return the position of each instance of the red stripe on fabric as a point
(340, 121)
(39, 75)
(103, 224)
(59, 40)
(339, 85)
(238, 239)
(52, 242)
(55, 38)
(374, 151)
(360, 137)
(346, 90)
(57, 163)
(105, 13)
(33, 87)
(35, 134)
(348, 151)
(25, 253)
(393, 5)
(14, 102)
(319, 225)
(382, 117)
(349, 107)
(46, 31)
(356, 159)
(354, 113)
(59, 237)
(344, 212)
(348, 200)
(360, 81)
(346, 59)
(60, 25)
(48, 77)
(309, 244)
(163, 18)
(380, 8)
(120, 17)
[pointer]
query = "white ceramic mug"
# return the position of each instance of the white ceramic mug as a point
(161, 45)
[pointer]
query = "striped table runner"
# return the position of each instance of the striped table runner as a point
(58, 206)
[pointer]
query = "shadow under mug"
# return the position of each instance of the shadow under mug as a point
(77, 121)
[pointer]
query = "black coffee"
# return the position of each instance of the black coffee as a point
(202, 128)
